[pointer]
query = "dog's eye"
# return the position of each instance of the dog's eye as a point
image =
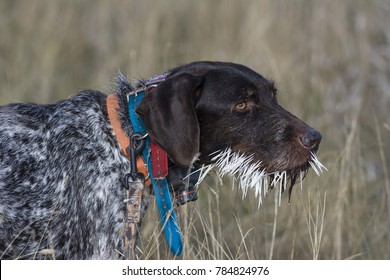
(240, 106)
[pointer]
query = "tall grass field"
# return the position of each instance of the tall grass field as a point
(330, 61)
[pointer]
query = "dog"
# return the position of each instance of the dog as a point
(62, 169)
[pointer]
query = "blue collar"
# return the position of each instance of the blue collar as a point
(166, 211)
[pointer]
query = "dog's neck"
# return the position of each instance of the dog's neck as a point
(153, 155)
(123, 88)
(113, 109)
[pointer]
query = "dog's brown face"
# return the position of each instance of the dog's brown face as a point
(227, 114)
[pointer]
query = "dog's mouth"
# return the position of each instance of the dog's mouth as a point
(253, 175)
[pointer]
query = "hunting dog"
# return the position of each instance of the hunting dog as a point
(61, 167)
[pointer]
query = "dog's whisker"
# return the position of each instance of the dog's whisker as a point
(251, 175)
(313, 166)
(280, 194)
(285, 181)
(258, 189)
(315, 160)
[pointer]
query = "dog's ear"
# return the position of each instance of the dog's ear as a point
(169, 115)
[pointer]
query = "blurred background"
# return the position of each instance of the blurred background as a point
(331, 63)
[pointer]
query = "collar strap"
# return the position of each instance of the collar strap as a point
(159, 167)
(159, 161)
(160, 185)
(112, 110)
(123, 140)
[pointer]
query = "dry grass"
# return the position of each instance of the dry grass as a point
(331, 62)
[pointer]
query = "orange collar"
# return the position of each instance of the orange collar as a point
(123, 140)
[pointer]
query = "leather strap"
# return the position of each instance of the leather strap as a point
(160, 187)
(159, 161)
(123, 140)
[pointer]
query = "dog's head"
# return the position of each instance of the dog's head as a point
(228, 114)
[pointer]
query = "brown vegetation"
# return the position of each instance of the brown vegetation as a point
(330, 60)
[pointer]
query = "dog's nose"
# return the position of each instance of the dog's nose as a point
(311, 139)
